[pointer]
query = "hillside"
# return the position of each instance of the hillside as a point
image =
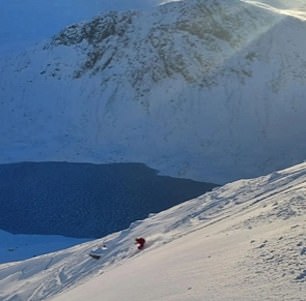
(217, 87)
(243, 241)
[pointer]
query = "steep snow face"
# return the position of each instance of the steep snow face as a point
(215, 86)
(224, 245)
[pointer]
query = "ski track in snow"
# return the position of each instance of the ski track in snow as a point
(268, 214)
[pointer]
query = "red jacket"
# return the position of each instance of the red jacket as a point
(140, 242)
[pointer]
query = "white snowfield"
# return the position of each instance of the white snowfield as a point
(243, 241)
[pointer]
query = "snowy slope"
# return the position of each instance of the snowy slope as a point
(243, 241)
(217, 87)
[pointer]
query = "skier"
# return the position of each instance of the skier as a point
(97, 252)
(140, 241)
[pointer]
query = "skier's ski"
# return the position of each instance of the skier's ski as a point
(94, 256)
(96, 253)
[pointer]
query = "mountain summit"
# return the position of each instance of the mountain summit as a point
(217, 87)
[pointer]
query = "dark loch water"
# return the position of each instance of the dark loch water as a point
(85, 200)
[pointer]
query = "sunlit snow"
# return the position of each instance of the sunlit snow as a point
(299, 13)
(243, 241)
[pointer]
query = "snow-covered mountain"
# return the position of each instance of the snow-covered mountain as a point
(210, 90)
(243, 241)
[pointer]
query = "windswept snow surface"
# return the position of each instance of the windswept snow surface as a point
(296, 9)
(241, 242)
